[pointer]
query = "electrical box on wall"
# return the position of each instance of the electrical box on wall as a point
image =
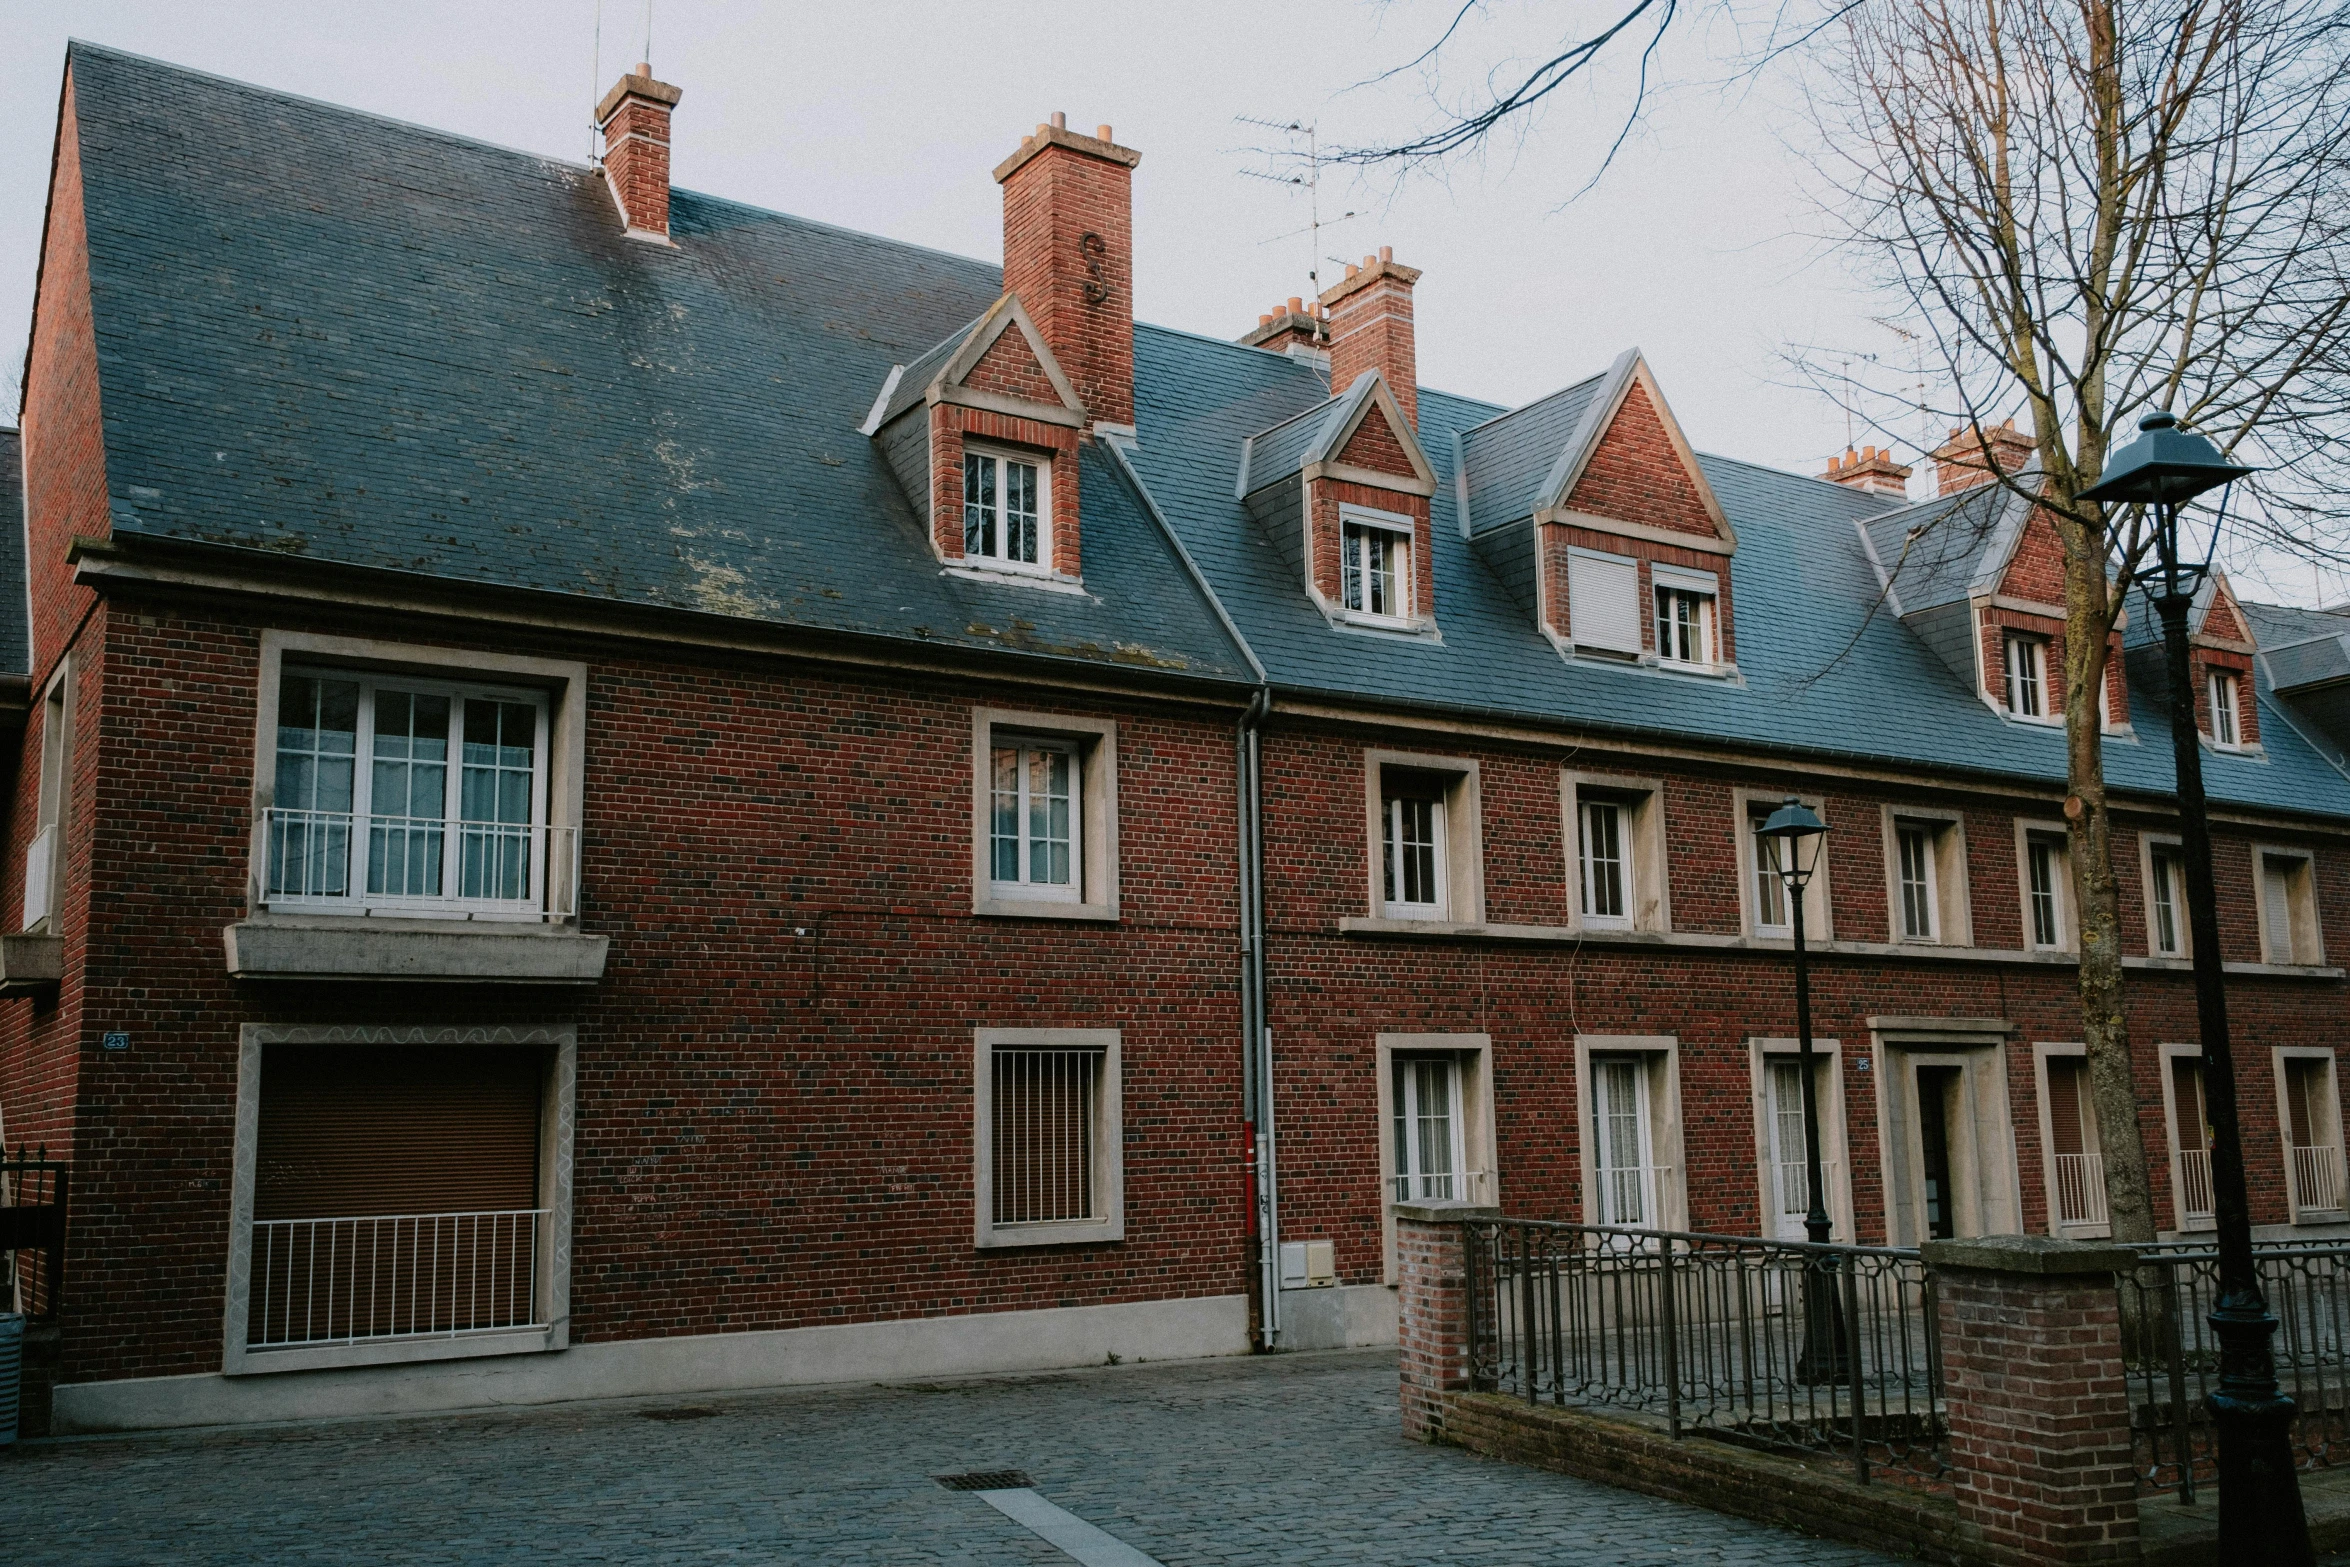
(1307, 1265)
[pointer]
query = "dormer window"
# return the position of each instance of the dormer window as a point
(1007, 510)
(1684, 616)
(2225, 730)
(2027, 676)
(1375, 565)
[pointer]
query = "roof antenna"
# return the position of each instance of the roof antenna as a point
(648, 29)
(595, 83)
(1311, 180)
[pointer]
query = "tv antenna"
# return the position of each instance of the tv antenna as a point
(1309, 179)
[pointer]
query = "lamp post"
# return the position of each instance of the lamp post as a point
(2260, 1515)
(1791, 836)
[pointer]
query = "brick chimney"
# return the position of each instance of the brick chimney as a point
(634, 118)
(1960, 463)
(1868, 469)
(1294, 328)
(1370, 315)
(1069, 256)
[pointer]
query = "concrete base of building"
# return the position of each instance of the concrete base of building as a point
(1343, 1316)
(917, 1349)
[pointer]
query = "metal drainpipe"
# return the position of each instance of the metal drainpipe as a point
(1256, 1037)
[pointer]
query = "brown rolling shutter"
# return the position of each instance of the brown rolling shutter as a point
(347, 1132)
(2064, 1104)
(2187, 1102)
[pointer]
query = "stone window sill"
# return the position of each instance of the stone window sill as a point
(393, 1352)
(336, 947)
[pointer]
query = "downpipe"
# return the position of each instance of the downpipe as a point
(1261, 1180)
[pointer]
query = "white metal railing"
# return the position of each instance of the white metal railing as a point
(2317, 1177)
(411, 1275)
(2080, 1188)
(1628, 1195)
(1793, 1188)
(40, 860)
(336, 862)
(1447, 1186)
(2195, 1185)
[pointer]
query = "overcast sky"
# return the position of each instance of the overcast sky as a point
(887, 117)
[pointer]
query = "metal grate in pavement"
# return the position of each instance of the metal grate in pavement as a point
(987, 1480)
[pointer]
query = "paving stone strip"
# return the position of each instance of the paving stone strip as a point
(1290, 1458)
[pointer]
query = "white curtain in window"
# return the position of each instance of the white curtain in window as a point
(1620, 1142)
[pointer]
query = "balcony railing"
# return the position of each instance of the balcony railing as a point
(2195, 1208)
(2080, 1188)
(2317, 1178)
(413, 1275)
(1629, 1194)
(1448, 1186)
(414, 866)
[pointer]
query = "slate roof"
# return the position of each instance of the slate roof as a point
(915, 378)
(15, 632)
(1275, 454)
(326, 334)
(369, 343)
(1949, 548)
(2301, 646)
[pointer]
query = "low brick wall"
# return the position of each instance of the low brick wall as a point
(1636, 1455)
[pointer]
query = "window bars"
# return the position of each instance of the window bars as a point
(1043, 1132)
(414, 1275)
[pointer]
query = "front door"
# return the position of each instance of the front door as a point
(1938, 1088)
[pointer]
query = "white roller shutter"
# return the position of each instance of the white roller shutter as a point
(1603, 601)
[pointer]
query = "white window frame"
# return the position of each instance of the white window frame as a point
(2227, 717)
(1703, 589)
(1747, 808)
(1042, 462)
(2051, 836)
(2282, 1059)
(44, 859)
(553, 1262)
(1023, 885)
(2154, 851)
(1658, 1058)
(2186, 1223)
(1473, 1054)
(1763, 1055)
(2302, 940)
(2019, 687)
(1460, 848)
(1093, 745)
(1580, 628)
(1606, 863)
(1108, 1139)
(1357, 521)
(1946, 877)
(1401, 842)
(1646, 866)
(558, 686)
(2051, 1177)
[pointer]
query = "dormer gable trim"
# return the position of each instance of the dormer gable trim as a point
(1321, 456)
(2208, 601)
(947, 383)
(1629, 371)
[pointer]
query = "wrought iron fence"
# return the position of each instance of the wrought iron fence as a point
(2172, 1356)
(1779, 1344)
(32, 1233)
(428, 1275)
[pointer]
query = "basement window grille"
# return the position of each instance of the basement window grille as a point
(1045, 1135)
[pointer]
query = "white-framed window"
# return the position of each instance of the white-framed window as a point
(1765, 907)
(1920, 898)
(2310, 1115)
(2221, 686)
(2167, 933)
(1044, 809)
(1623, 1152)
(2190, 1136)
(1431, 1163)
(2047, 882)
(1007, 508)
(2075, 1163)
(1375, 564)
(1771, 903)
(1035, 819)
(44, 857)
(1604, 844)
(1926, 876)
(1603, 601)
(1686, 625)
(2027, 675)
(1424, 852)
(401, 794)
(2288, 907)
(1783, 1172)
(1048, 1137)
(1414, 849)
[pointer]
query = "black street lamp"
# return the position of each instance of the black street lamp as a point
(2260, 1515)
(1792, 839)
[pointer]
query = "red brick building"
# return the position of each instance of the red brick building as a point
(622, 793)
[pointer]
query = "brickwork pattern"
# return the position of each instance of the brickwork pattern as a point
(1069, 256)
(1636, 474)
(1371, 329)
(1011, 368)
(1374, 446)
(950, 423)
(2039, 1416)
(1557, 602)
(1432, 1323)
(636, 161)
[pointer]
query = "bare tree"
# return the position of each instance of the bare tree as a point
(2091, 209)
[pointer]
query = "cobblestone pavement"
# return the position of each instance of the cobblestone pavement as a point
(1294, 1459)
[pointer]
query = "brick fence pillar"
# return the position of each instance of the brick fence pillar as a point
(1432, 1310)
(2038, 1404)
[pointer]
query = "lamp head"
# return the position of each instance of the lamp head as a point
(2164, 466)
(1792, 834)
